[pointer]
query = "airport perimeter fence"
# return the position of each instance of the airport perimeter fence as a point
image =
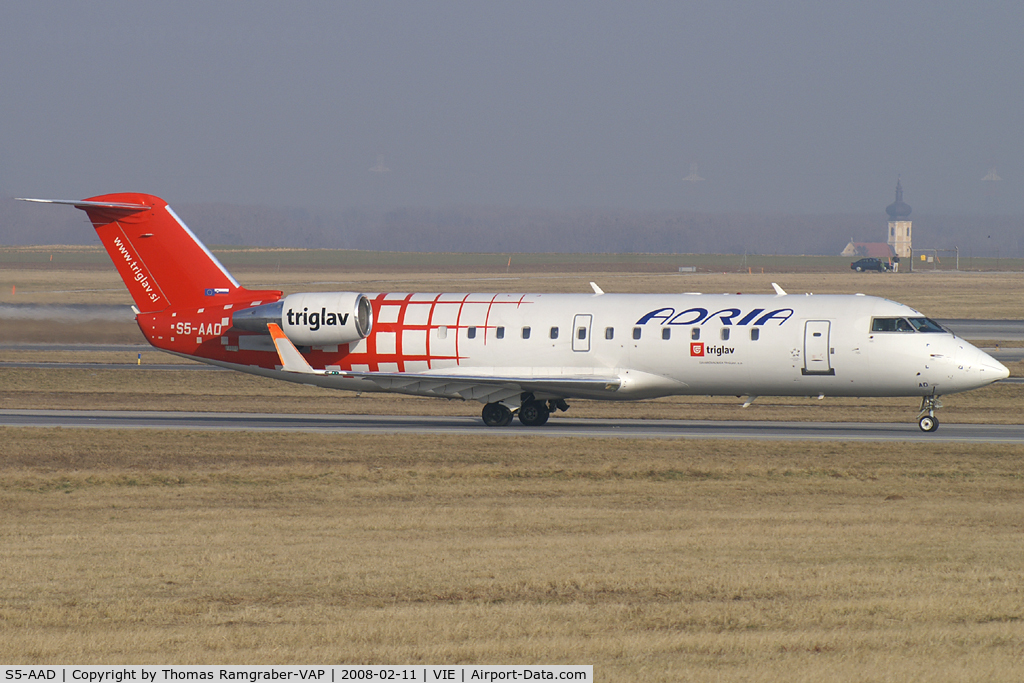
(934, 259)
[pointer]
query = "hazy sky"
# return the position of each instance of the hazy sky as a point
(783, 106)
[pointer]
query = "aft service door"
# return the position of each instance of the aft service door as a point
(581, 332)
(817, 353)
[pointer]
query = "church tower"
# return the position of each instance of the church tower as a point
(899, 224)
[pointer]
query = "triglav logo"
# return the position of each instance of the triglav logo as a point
(697, 349)
(314, 320)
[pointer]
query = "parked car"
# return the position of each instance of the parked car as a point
(870, 264)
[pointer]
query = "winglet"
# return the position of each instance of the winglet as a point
(291, 359)
(597, 290)
(779, 290)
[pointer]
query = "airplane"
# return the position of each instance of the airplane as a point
(526, 355)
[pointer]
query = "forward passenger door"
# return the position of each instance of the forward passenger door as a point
(817, 352)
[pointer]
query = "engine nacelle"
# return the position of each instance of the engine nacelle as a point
(313, 318)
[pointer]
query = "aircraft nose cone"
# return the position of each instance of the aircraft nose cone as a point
(998, 369)
(982, 367)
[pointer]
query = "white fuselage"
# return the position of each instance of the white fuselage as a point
(657, 345)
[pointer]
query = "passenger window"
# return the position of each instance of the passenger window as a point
(442, 332)
(609, 333)
(471, 332)
(499, 332)
(581, 333)
(636, 333)
(755, 334)
(725, 333)
(526, 333)
(695, 333)
(666, 333)
(554, 333)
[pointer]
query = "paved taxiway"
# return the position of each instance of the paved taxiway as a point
(633, 429)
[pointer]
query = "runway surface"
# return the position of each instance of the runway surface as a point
(557, 427)
(44, 365)
(968, 328)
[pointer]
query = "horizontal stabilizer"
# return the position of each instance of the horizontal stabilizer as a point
(82, 204)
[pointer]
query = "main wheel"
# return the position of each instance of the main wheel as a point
(533, 414)
(928, 423)
(497, 415)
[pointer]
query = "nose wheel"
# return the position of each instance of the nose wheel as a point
(926, 420)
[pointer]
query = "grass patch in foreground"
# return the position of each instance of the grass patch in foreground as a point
(653, 560)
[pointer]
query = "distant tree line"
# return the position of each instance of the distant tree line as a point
(510, 230)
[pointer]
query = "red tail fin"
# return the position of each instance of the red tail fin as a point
(161, 261)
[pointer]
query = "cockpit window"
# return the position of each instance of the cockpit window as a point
(926, 325)
(890, 325)
(905, 325)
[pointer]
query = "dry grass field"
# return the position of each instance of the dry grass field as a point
(653, 560)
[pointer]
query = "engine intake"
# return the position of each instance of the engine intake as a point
(312, 319)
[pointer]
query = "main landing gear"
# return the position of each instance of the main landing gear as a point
(497, 415)
(926, 420)
(532, 413)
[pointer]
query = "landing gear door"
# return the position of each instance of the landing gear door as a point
(581, 332)
(817, 352)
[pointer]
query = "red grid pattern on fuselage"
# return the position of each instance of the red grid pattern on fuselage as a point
(372, 357)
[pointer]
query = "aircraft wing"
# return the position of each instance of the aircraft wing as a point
(486, 389)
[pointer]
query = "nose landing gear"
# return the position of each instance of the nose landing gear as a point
(926, 419)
